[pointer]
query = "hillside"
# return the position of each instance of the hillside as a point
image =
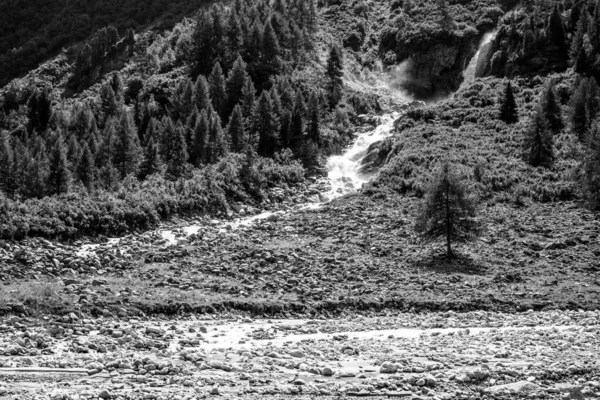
(308, 199)
(33, 31)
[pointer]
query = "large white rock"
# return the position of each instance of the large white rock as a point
(516, 387)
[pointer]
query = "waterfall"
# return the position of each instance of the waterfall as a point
(469, 73)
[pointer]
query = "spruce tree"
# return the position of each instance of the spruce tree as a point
(579, 114)
(334, 74)
(109, 106)
(556, 30)
(183, 101)
(236, 131)
(198, 153)
(313, 128)
(447, 211)
(59, 176)
(235, 84)
(218, 145)
(37, 176)
(270, 45)
(177, 165)
(248, 99)
(539, 143)
(127, 151)
(7, 166)
(551, 109)
(508, 106)
(591, 170)
(264, 126)
(86, 170)
(152, 163)
(218, 94)
(202, 94)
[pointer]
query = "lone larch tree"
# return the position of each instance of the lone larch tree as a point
(447, 211)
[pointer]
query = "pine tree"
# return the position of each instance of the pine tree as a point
(270, 45)
(202, 94)
(218, 94)
(86, 170)
(59, 176)
(508, 106)
(248, 99)
(556, 30)
(183, 101)
(334, 76)
(218, 145)
(203, 44)
(127, 151)
(37, 176)
(539, 143)
(236, 131)
(580, 120)
(313, 128)
(447, 211)
(108, 103)
(551, 109)
(201, 132)
(264, 127)
(7, 166)
(177, 165)
(152, 163)
(235, 84)
(591, 170)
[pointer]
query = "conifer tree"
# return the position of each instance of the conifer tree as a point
(551, 109)
(285, 132)
(313, 128)
(7, 166)
(183, 101)
(203, 48)
(580, 120)
(556, 30)
(248, 99)
(334, 76)
(236, 131)
(201, 132)
(218, 94)
(447, 211)
(177, 165)
(127, 149)
(86, 170)
(591, 170)
(108, 103)
(37, 176)
(539, 143)
(152, 163)
(296, 131)
(270, 45)
(218, 145)
(235, 84)
(581, 63)
(264, 126)
(59, 176)
(508, 106)
(202, 94)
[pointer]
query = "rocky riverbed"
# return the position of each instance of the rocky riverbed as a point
(448, 355)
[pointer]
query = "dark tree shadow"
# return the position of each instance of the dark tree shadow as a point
(461, 264)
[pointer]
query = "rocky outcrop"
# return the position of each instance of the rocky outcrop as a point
(376, 155)
(437, 70)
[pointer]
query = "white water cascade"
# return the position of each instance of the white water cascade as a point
(469, 73)
(344, 170)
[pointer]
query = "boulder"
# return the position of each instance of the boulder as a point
(515, 387)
